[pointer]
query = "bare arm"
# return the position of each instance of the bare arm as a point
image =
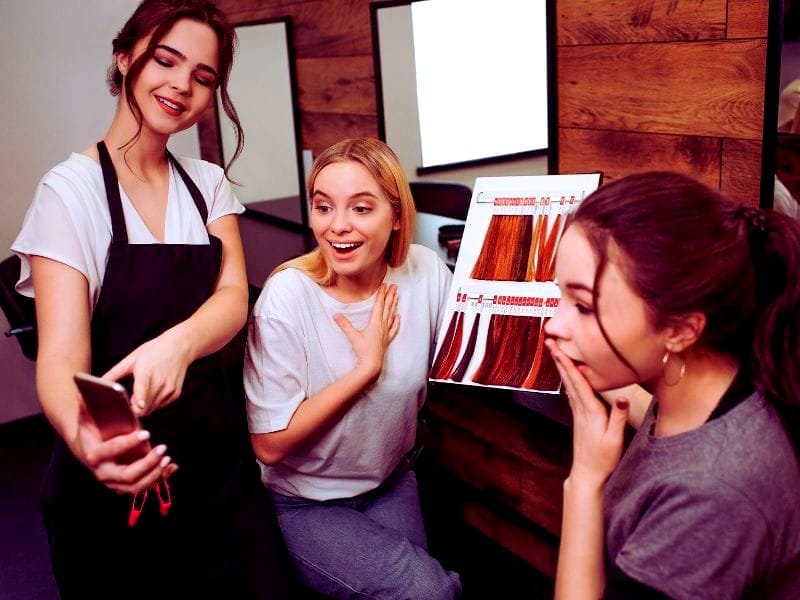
(63, 323)
(597, 441)
(159, 366)
(319, 412)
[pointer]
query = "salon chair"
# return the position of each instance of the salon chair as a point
(19, 310)
(441, 198)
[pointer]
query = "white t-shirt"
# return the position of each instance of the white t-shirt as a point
(295, 349)
(69, 220)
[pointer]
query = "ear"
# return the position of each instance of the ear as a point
(123, 62)
(396, 225)
(684, 331)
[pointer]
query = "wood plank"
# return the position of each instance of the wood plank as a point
(741, 170)
(337, 85)
(620, 153)
(485, 468)
(320, 130)
(709, 88)
(748, 19)
(539, 553)
(614, 21)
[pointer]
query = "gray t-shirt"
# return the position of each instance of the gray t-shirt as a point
(710, 513)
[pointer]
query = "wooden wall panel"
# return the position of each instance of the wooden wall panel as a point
(320, 130)
(343, 85)
(747, 18)
(615, 21)
(618, 153)
(712, 89)
(741, 170)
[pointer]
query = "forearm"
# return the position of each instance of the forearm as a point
(57, 392)
(214, 323)
(580, 572)
(315, 415)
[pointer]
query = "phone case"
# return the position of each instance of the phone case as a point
(109, 407)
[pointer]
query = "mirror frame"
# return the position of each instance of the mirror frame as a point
(303, 226)
(769, 138)
(552, 95)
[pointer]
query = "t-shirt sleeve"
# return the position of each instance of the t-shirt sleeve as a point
(224, 201)
(275, 372)
(697, 540)
(50, 229)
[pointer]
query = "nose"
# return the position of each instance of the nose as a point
(340, 222)
(181, 81)
(556, 326)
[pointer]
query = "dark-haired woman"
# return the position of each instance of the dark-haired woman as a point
(137, 268)
(667, 284)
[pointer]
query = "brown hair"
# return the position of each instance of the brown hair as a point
(686, 248)
(384, 166)
(155, 18)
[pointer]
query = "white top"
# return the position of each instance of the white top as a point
(69, 220)
(295, 349)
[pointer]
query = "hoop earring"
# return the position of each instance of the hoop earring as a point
(665, 360)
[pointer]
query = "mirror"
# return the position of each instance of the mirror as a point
(268, 173)
(399, 34)
(787, 143)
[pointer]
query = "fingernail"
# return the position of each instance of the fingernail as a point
(161, 449)
(143, 435)
(165, 461)
(622, 404)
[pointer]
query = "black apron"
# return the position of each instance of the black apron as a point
(220, 538)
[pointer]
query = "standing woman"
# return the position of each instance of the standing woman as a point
(137, 268)
(335, 375)
(667, 284)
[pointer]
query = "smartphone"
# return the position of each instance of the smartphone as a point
(110, 408)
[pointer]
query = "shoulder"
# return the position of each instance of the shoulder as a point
(285, 293)
(207, 176)
(422, 262)
(78, 175)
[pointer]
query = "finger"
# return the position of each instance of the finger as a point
(128, 474)
(378, 307)
(390, 303)
(170, 470)
(109, 450)
(121, 369)
(346, 326)
(146, 480)
(394, 327)
(618, 418)
(142, 394)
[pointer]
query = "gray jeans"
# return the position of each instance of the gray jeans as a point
(369, 546)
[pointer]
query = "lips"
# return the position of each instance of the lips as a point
(171, 107)
(345, 247)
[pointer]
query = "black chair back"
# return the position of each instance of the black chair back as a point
(20, 310)
(441, 198)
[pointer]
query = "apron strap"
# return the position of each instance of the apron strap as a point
(119, 233)
(199, 201)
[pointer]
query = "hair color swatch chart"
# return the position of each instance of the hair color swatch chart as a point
(504, 288)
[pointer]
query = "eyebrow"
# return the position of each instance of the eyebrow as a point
(356, 196)
(578, 287)
(182, 56)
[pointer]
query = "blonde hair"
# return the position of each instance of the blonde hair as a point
(384, 166)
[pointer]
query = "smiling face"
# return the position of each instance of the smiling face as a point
(623, 313)
(352, 221)
(176, 85)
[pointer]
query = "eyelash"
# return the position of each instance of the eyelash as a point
(583, 309)
(167, 65)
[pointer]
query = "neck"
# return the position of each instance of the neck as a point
(687, 404)
(361, 286)
(144, 157)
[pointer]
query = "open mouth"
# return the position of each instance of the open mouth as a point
(170, 107)
(345, 247)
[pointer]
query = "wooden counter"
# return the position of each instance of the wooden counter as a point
(509, 462)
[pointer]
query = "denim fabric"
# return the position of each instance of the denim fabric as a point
(369, 546)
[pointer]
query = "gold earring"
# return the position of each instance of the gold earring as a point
(665, 360)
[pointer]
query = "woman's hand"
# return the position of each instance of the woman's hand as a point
(100, 457)
(598, 436)
(158, 368)
(370, 343)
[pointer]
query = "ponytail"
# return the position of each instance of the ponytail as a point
(775, 247)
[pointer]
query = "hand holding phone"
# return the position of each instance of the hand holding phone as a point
(109, 407)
